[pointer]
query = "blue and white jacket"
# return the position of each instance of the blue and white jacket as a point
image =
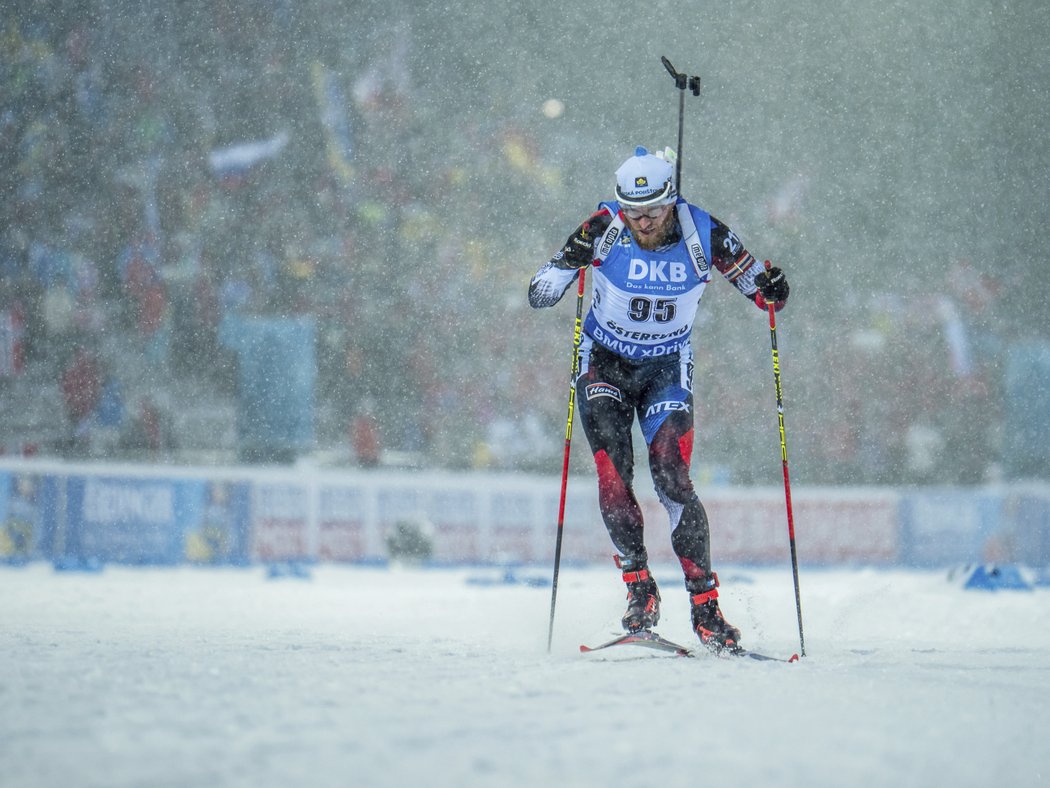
(644, 302)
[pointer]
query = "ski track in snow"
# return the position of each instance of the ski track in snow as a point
(402, 676)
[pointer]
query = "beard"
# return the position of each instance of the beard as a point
(661, 234)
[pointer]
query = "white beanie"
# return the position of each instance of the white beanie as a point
(645, 179)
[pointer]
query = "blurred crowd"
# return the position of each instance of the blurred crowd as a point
(154, 185)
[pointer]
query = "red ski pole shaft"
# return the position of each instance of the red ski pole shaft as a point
(787, 477)
(577, 336)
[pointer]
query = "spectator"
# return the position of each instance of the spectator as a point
(364, 436)
(81, 392)
(149, 433)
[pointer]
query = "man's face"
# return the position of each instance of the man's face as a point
(649, 226)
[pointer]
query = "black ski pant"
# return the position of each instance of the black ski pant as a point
(611, 391)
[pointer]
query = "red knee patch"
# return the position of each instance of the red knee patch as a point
(613, 494)
(609, 480)
(685, 447)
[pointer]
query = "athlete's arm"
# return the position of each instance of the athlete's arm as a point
(736, 264)
(553, 279)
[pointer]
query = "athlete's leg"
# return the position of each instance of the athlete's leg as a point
(667, 422)
(607, 416)
(666, 414)
(669, 457)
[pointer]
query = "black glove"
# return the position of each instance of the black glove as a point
(578, 251)
(773, 285)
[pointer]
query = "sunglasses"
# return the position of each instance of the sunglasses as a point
(652, 212)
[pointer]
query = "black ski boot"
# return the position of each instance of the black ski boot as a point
(708, 622)
(643, 597)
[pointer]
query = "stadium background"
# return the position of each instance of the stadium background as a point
(280, 233)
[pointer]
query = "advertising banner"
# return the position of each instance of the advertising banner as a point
(22, 535)
(344, 520)
(122, 519)
(946, 527)
(85, 515)
(151, 520)
(281, 513)
(216, 522)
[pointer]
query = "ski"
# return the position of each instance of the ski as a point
(649, 639)
(735, 651)
(644, 637)
(738, 651)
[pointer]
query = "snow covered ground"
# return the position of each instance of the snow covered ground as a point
(398, 677)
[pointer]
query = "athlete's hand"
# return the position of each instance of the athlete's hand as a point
(578, 251)
(773, 285)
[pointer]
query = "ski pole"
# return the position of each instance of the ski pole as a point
(577, 335)
(784, 462)
(681, 82)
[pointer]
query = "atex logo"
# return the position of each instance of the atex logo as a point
(666, 407)
(595, 390)
(657, 270)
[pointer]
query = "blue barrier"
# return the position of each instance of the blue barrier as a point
(135, 520)
(993, 577)
(947, 526)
